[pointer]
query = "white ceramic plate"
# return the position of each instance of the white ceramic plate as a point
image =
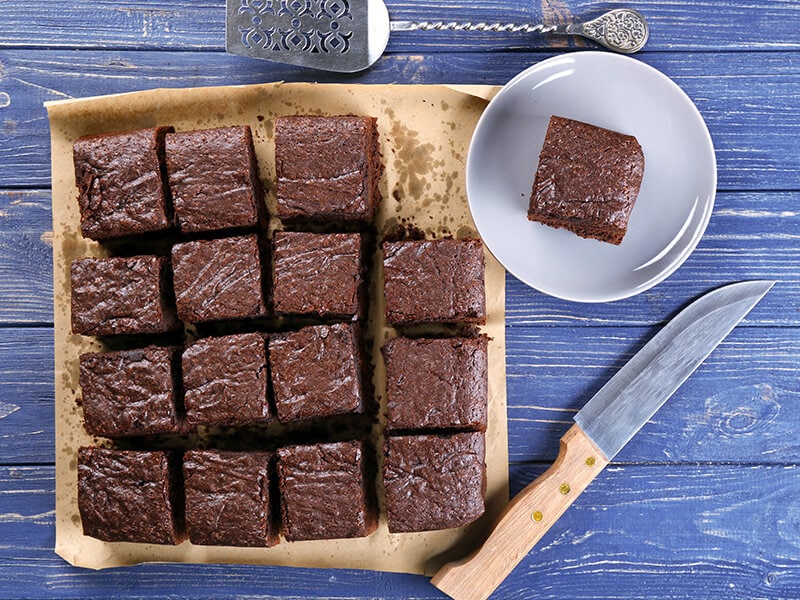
(675, 199)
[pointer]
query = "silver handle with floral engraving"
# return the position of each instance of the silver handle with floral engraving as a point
(622, 29)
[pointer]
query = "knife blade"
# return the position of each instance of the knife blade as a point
(602, 428)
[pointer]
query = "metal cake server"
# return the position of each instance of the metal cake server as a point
(347, 36)
(602, 427)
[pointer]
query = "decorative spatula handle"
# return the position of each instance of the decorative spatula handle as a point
(525, 520)
(622, 29)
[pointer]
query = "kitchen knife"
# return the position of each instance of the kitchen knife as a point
(602, 427)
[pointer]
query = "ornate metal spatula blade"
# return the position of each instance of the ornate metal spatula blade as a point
(332, 35)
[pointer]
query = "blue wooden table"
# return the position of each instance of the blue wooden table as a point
(703, 503)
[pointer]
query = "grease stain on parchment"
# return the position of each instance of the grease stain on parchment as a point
(413, 159)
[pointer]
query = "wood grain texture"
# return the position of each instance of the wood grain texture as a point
(156, 25)
(26, 257)
(671, 532)
(683, 531)
(741, 405)
(750, 236)
(749, 103)
(27, 389)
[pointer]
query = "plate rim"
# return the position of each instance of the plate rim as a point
(708, 147)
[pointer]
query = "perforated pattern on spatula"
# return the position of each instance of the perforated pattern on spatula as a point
(332, 35)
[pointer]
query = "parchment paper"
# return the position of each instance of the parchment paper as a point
(424, 134)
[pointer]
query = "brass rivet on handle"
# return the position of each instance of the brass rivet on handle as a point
(590, 461)
(564, 489)
(536, 516)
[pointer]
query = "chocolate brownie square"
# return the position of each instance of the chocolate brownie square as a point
(130, 496)
(434, 481)
(130, 392)
(225, 380)
(328, 168)
(587, 180)
(213, 177)
(218, 279)
(434, 281)
(228, 498)
(317, 274)
(316, 372)
(121, 186)
(436, 383)
(122, 296)
(325, 491)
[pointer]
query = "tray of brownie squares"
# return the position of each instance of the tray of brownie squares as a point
(232, 401)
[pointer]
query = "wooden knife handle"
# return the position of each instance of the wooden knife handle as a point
(525, 520)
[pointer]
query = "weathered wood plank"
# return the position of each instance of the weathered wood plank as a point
(670, 532)
(747, 98)
(160, 25)
(724, 531)
(27, 561)
(27, 428)
(742, 405)
(750, 236)
(26, 257)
